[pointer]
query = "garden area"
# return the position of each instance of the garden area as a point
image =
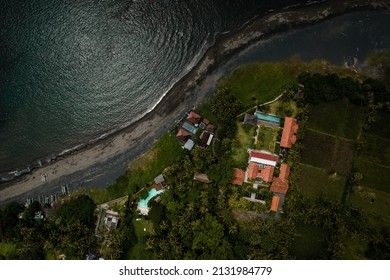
(266, 138)
(245, 138)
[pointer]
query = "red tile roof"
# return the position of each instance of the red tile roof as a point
(275, 203)
(284, 172)
(253, 169)
(264, 156)
(266, 173)
(280, 184)
(290, 128)
(238, 177)
(193, 117)
(183, 135)
(206, 121)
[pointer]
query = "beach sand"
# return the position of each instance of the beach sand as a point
(136, 139)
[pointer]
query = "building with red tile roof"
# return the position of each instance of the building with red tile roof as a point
(290, 129)
(280, 184)
(183, 135)
(263, 158)
(193, 117)
(275, 203)
(255, 171)
(238, 177)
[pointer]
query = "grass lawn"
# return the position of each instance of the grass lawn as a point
(375, 176)
(257, 83)
(138, 250)
(245, 134)
(309, 242)
(267, 140)
(339, 118)
(316, 181)
(7, 250)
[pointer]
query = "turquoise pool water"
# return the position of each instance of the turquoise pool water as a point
(190, 127)
(269, 118)
(143, 203)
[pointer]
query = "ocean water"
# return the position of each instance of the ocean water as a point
(72, 71)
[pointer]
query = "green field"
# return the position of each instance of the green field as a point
(377, 149)
(375, 176)
(318, 149)
(379, 206)
(328, 152)
(316, 181)
(255, 84)
(245, 137)
(339, 118)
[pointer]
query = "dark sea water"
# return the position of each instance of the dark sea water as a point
(72, 71)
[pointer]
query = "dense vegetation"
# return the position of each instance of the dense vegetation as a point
(328, 213)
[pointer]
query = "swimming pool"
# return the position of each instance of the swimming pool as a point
(269, 118)
(189, 127)
(143, 203)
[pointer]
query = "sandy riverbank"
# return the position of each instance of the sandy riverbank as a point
(138, 137)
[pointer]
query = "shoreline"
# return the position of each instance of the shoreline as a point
(139, 136)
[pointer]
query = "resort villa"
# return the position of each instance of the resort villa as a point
(262, 164)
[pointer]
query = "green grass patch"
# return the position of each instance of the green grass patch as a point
(254, 84)
(375, 176)
(309, 242)
(266, 140)
(7, 250)
(339, 118)
(316, 181)
(138, 251)
(363, 199)
(245, 134)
